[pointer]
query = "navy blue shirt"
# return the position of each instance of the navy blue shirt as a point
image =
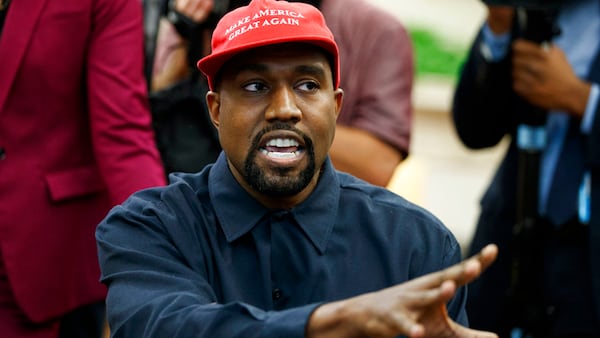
(202, 258)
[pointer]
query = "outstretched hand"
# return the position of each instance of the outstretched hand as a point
(416, 308)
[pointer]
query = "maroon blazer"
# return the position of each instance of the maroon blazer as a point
(75, 139)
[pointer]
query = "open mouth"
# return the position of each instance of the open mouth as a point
(282, 148)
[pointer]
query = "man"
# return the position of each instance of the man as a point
(507, 77)
(271, 240)
(75, 140)
(374, 127)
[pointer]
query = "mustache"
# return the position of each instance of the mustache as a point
(278, 125)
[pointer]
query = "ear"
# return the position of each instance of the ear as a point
(338, 95)
(213, 101)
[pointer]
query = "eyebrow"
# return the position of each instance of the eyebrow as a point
(252, 67)
(301, 69)
(312, 70)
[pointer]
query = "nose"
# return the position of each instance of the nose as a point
(283, 106)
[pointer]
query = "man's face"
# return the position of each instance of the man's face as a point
(275, 108)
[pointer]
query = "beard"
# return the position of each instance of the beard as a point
(279, 182)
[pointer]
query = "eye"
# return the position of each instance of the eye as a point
(308, 86)
(254, 86)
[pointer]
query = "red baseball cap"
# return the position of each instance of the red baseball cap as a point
(268, 22)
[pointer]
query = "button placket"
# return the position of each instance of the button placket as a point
(278, 220)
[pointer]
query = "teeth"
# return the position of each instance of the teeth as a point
(281, 155)
(280, 142)
(283, 143)
(274, 154)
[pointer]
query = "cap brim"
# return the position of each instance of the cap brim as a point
(211, 64)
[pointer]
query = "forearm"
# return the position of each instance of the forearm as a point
(174, 70)
(160, 285)
(184, 314)
(364, 155)
(330, 321)
(577, 97)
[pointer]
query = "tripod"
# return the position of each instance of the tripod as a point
(525, 308)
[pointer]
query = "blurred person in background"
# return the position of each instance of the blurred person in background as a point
(75, 140)
(561, 78)
(374, 127)
(177, 34)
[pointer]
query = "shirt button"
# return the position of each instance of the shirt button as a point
(276, 294)
(2, 153)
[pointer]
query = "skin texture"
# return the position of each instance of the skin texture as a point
(500, 18)
(364, 155)
(288, 87)
(544, 77)
(286, 92)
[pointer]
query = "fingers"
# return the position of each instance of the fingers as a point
(487, 256)
(461, 331)
(527, 47)
(528, 59)
(437, 294)
(395, 310)
(528, 54)
(415, 308)
(461, 273)
(544, 77)
(393, 324)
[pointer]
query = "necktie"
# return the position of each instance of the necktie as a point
(562, 198)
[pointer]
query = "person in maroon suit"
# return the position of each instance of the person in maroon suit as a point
(75, 140)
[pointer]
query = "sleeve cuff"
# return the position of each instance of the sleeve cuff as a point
(590, 109)
(289, 323)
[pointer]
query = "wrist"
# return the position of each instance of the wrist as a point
(329, 320)
(578, 99)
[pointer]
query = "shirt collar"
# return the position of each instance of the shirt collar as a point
(238, 212)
